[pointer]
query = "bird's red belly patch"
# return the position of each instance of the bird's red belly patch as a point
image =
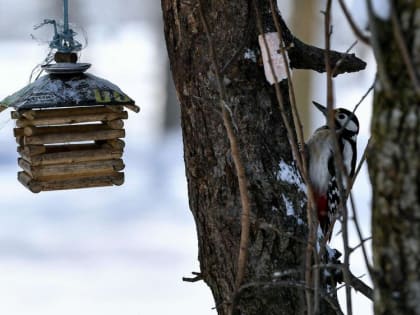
(321, 205)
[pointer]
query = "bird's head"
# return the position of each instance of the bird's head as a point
(345, 121)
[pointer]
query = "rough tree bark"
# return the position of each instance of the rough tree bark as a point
(277, 239)
(394, 161)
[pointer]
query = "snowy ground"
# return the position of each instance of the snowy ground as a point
(120, 250)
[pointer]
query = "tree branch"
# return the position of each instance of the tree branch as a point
(198, 277)
(354, 281)
(304, 56)
(361, 287)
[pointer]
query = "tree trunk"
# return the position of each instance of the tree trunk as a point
(277, 235)
(212, 180)
(394, 163)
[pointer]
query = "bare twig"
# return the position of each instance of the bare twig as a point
(312, 220)
(299, 156)
(365, 39)
(296, 118)
(396, 28)
(370, 89)
(359, 233)
(233, 58)
(350, 186)
(198, 277)
(364, 240)
(361, 287)
(358, 168)
(341, 60)
(339, 164)
(355, 282)
(365, 151)
(235, 151)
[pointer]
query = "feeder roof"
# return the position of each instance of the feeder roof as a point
(53, 90)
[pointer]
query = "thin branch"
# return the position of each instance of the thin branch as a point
(300, 159)
(364, 240)
(312, 221)
(370, 89)
(339, 164)
(232, 59)
(359, 167)
(350, 186)
(355, 282)
(352, 180)
(356, 30)
(359, 233)
(297, 121)
(280, 100)
(361, 287)
(338, 63)
(235, 151)
(365, 151)
(396, 28)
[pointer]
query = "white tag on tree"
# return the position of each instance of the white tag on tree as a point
(279, 65)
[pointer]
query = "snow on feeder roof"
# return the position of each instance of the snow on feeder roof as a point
(69, 123)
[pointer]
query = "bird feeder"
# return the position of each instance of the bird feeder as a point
(69, 124)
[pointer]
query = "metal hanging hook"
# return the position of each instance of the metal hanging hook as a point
(63, 40)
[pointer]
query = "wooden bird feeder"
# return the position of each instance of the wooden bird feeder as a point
(69, 128)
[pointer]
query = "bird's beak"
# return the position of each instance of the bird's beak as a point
(322, 108)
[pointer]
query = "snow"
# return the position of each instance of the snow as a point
(289, 206)
(250, 54)
(289, 174)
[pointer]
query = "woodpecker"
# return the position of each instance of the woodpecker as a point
(321, 168)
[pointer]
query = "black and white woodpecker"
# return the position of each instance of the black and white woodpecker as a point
(321, 168)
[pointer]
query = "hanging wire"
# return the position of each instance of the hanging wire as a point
(37, 71)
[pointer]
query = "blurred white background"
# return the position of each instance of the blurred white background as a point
(124, 250)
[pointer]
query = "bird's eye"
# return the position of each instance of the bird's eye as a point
(341, 116)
